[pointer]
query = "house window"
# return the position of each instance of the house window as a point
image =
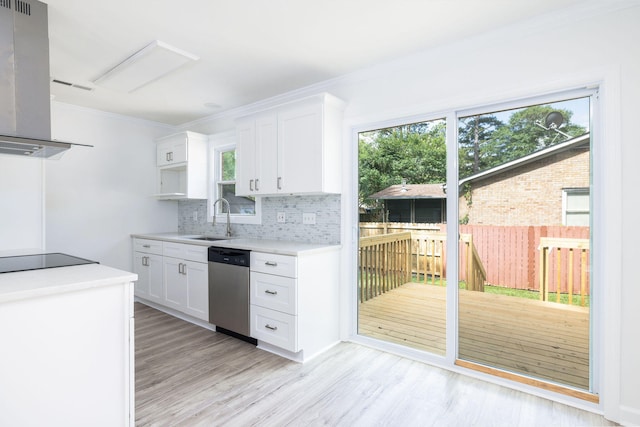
(575, 206)
(428, 211)
(399, 210)
(242, 209)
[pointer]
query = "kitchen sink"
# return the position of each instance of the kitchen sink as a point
(207, 238)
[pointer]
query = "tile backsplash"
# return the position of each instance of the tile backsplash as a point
(326, 230)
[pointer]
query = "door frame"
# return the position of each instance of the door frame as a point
(606, 234)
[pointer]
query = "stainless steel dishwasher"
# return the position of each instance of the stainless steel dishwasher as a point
(229, 291)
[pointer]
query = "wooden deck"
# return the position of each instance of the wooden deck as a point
(544, 340)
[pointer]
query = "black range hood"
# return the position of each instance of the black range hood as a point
(25, 103)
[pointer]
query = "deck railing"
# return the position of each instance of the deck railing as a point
(476, 275)
(384, 264)
(429, 252)
(550, 246)
(387, 261)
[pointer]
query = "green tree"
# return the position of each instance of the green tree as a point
(523, 135)
(474, 137)
(388, 156)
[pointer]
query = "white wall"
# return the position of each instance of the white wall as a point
(96, 197)
(21, 203)
(551, 55)
(592, 45)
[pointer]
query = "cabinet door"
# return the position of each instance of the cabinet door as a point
(172, 149)
(266, 154)
(245, 157)
(154, 273)
(175, 291)
(300, 151)
(197, 278)
(142, 270)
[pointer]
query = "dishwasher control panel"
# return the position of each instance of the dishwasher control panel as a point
(229, 256)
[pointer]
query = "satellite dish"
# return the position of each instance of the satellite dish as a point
(553, 120)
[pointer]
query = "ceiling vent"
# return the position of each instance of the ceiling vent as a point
(69, 84)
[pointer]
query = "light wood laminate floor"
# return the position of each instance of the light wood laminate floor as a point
(190, 376)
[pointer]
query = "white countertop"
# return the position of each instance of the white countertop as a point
(281, 247)
(49, 281)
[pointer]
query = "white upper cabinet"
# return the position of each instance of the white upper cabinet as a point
(257, 155)
(182, 166)
(172, 149)
(291, 149)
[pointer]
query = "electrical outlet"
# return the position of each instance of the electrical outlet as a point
(308, 218)
(195, 215)
(280, 217)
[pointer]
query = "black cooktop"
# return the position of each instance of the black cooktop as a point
(12, 264)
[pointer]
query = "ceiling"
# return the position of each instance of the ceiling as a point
(250, 50)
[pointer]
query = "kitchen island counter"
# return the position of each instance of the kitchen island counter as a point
(36, 283)
(67, 347)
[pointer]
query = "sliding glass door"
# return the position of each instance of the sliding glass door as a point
(524, 213)
(516, 249)
(402, 245)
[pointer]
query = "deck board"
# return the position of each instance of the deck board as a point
(545, 340)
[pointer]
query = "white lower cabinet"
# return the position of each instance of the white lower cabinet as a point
(187, 286)
(147, 264)
(177, 277)
(294, 302)
(148, 267)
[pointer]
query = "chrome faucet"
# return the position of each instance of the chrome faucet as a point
(224, 201)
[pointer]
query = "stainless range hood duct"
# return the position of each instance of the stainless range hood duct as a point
(25, 106)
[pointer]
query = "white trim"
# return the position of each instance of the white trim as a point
(607, 238)
(453, 195)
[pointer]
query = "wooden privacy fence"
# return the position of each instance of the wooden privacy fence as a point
(563, 249)
(509, 254)
(384, 264)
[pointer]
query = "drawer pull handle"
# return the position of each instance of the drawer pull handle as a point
(271, 292)
(273, 328)
(271, 263)
(146, 246)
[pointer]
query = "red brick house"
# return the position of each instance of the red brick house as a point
(547, 187)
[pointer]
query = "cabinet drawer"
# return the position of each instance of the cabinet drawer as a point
(274, 292)
(275, 328)
(185, 251)
(147, 246)
(282, 265)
